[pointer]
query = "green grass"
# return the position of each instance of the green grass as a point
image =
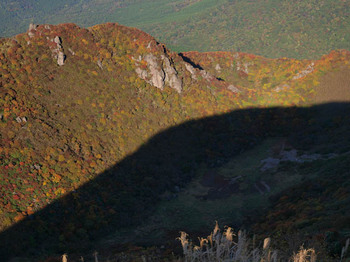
(298, 29)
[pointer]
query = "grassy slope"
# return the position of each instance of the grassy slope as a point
(298, 29)
(82, 120)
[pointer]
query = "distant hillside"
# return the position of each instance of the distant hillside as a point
(107, 136)
(272, 28)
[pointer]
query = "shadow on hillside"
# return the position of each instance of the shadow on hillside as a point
(126, 194)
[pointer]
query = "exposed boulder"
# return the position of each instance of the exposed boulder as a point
(71, 51)
(99, 64)
(31, 29)
(156, 72)
(57, 52)
(160, 72)
(171, 76)
(58, 41)
(61, 57)
(281, 88)
(308, 70)
(218, 67)
(206, 75)
(141, 73)
(233, 89)
(191, 69)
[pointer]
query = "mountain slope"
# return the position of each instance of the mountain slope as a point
(101, 124)
(273, 28)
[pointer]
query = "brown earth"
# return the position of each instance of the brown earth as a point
(334, 87)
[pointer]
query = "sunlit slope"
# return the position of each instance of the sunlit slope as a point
(75, 102)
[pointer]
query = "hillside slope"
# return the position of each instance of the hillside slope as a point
(103, 124)
(272, 28)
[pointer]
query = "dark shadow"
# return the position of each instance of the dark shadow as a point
(126, 194)
(188, 60)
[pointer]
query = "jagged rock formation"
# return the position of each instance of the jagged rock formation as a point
(31, 29)
(58, 51)
(233, 89)
(308, 70)
(206, 75)
(192, 70)
(159, 73)
(171, 76)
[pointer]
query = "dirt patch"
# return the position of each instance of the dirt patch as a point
(334, 87)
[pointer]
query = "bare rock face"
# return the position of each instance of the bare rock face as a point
(99, 64)
(58, 41)
(156, 72)
(160, 72)
(61, 58)
(58, 51)
(308, 70)
(192, 71)
(31, 29)
(142, 73)
(171, 77)
(233, 89)
(206, 75)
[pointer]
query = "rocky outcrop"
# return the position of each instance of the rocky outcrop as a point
(308, 70)
(171, 76)
(206, 75)
(159, 72)
(58, 51)
(157, 75)
(243, 67)
(192, 71)
(233, 89)
(281, 88)
(31, 30)
(60, 58)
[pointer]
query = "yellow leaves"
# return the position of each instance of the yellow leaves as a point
(56, 178)
(98, 156)
(93, 164)
(44, 57)
(103, 121)
(6, 113)
(59, 191)
(79, 102)
(61, 158)
(89, 126)
(84, 41)
(94, 73)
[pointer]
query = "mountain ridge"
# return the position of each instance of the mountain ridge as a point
(116, 99)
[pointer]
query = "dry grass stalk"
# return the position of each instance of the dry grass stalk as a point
(64, 258)
(222, 247)
(305, 255)
(344, 249)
